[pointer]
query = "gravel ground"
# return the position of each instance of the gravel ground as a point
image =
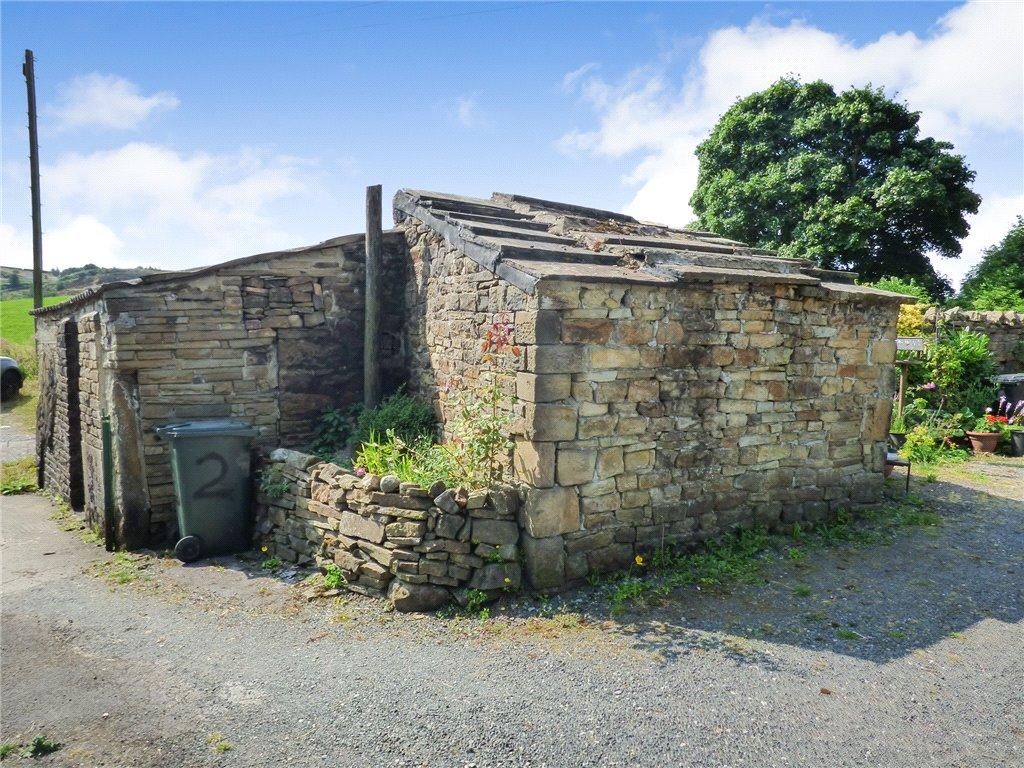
(908, 654)
(15, 442)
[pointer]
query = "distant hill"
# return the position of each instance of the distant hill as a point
(16, 283)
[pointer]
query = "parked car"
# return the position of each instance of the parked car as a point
(11, 378)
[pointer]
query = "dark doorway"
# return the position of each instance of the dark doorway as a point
(76, 490)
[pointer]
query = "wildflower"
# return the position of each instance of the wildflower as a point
(929, 386)
(360, 472)
(508, 580)
(263, 549)
(639, 559)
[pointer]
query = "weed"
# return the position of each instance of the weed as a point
(40, 746)
(273, 483)
(8, 748)
(123, 568)
(802, 590)
(545, 605)
(271, 564)
(476, 603)
(332, 576)
(848, 634)
(217, 742)
(897, 634)
(796, 554)
(18, 476)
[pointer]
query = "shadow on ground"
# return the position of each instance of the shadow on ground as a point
(875, 602)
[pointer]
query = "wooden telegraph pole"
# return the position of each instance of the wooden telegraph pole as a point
(29, 71)
(371, 322)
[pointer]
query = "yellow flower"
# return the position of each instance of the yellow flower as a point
(639, 559)
(263, 549)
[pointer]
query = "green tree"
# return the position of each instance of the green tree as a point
(845, 180)
(997, 282)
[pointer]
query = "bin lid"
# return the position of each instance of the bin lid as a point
(206, 428)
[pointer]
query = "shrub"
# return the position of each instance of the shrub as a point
(410, 419)
(911, 320)
(962, 368)
(928, 444)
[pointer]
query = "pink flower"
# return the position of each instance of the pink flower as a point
(929, 386)
(360, 472)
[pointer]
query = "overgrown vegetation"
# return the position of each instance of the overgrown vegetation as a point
(741, 557)
(40, 746)
(478, 444)
(410, 419)
(332, 576)
(273, 484)
(18, 476)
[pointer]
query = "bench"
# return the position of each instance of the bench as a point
(893, 459)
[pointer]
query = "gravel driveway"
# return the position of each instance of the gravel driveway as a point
(905, 655)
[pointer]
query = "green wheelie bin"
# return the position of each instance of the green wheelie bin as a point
(211, 465)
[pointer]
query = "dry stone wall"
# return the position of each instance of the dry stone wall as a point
(1005, 331)
(415, 545)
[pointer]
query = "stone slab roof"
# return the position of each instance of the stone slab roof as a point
(526, 240)
(94, 293)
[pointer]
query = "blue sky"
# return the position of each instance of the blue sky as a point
(179, 134)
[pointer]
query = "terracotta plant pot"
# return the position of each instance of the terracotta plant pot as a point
(1017, 440)
(983, 442)
(888, 469)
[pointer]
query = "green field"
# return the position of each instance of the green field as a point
(16, 324)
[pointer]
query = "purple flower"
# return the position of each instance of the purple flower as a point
(929, 386)
(360, 472)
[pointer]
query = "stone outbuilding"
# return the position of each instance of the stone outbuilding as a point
(269, 339)
(672, 384)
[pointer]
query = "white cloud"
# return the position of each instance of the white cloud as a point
(993, 220)
(106, 101)
(81, 240)
(571, 78)
(467, 111)
(965, 78)
(150, 205)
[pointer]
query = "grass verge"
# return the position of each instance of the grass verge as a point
(18, 476)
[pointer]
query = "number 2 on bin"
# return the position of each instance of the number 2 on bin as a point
(209, 490)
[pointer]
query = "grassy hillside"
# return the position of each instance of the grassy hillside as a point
(16, 283)
(16, 325)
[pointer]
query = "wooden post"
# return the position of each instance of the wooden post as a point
(33, 158)
(904, 366)
(371, 322)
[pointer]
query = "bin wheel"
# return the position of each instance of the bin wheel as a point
(187, 549)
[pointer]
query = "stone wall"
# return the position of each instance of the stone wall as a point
(666, 416)
(91, 410)
(274, 340)
(1005, 331)
(450, 302)
(413, 544)
(69, 413)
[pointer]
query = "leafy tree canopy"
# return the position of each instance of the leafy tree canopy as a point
(997, 282)
(845, 180)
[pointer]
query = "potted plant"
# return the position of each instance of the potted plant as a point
(1017, 439)
(985, 435)
(897, 429)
